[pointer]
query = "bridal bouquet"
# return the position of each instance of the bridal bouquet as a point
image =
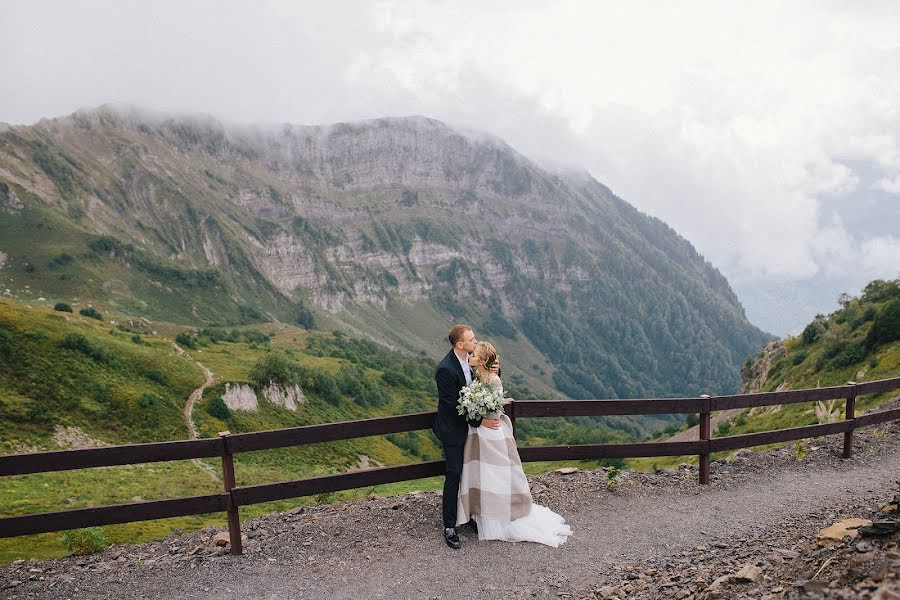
(479, 400)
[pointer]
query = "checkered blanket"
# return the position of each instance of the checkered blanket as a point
(493, 483)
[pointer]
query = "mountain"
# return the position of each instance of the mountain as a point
(860, 341)
(391, 228)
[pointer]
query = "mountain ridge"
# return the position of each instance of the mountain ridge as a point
(367, 223)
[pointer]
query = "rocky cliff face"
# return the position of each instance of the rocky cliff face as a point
(755, 372)
(371, 219)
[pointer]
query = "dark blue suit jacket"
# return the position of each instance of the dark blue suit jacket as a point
(449, 426)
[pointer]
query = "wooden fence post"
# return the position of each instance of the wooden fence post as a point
(704, 436)
(234, 517)
(849, 415)
(511, 413)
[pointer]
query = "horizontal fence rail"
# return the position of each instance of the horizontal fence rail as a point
(600, 408)
(234, 496)
(314, 434)
(113, 514)
(110, 456)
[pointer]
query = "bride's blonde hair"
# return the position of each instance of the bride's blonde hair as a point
(488, 354)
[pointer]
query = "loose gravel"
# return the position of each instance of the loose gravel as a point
(654, 535)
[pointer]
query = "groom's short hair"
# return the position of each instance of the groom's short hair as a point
(456, 333)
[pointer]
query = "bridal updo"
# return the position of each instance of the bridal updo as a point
(487, 353)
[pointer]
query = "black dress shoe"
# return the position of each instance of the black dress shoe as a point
(451, 538)
(474, 525)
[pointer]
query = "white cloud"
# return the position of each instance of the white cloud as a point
(891, 186)
(881, 257)
(767, 133)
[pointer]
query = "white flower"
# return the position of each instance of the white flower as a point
(478, 399)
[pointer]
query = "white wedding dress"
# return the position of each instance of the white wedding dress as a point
(503, 478)
(541, 525)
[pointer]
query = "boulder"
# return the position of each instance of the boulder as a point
(566, 470)
(749, 572)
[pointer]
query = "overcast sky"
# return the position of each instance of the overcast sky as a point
(766, 133)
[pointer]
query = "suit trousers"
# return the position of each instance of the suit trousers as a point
(453, 456)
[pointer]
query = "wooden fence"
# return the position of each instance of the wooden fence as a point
(233, 496)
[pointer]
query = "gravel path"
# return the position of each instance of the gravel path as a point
(392, 547)
(193, 434)
(194, 397)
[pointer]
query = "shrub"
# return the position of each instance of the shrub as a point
(880, 290)
(137, 339)
(408, 441)
(851, 354)
(147, 400)
(612, 477)
(887, 324)
(395, 378)
(723, 429)
(835, 340)
(81, 542)
(274, 367)
(255, 336)
(157, 376)
(62, 307)
(305, 318)
(326, 386)
(79, 343)
(36, 334)
(62, 260)
(5, 343)
(183, 339)
(215, 335)
(218, 409)
(99, 392)
(813, 331)
(91, 312)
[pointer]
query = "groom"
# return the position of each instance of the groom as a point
(453, 373)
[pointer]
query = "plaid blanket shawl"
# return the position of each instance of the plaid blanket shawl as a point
(492, 483)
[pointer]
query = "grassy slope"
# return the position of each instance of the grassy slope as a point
(45, 385)
(811, 365)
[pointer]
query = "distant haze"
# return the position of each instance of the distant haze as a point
(766, 133)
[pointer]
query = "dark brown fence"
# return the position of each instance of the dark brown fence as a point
(227, 444)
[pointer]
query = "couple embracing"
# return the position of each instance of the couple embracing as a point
(484, 482)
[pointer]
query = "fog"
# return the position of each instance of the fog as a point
(765, 133)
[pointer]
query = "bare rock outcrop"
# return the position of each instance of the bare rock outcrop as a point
(240, 397)
(755, 373)
(288, 397)
(9, 200)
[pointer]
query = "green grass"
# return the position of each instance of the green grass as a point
(95, 384)
(39, 373)
(807, 365)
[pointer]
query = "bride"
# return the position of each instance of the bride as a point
(493, 488)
